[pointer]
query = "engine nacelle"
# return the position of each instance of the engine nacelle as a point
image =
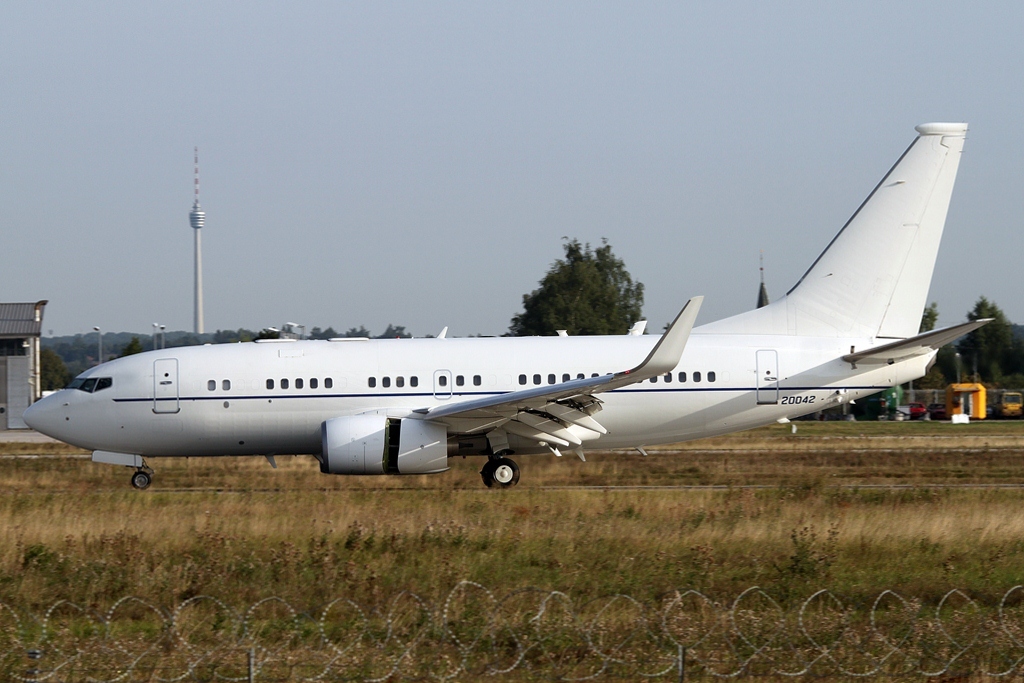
(374, 444)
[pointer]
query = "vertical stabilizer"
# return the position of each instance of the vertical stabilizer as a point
(873, 278)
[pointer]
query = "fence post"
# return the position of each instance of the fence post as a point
(681, 659)
(251, 656)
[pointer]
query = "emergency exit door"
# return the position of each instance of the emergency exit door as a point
(767, 377)
(165, 385)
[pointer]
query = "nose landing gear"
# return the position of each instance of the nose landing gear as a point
(141, 479)
(500, 472)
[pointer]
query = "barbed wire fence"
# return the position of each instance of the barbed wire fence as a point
(526, 634)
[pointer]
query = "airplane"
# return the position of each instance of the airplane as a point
(847, 329)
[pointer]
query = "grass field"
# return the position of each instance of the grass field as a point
(795, 512)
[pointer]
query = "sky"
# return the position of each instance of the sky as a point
(420, 163)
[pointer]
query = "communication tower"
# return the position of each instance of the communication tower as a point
(762, 293)
(197, 217)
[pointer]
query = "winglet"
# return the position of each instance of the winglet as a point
(666, 353)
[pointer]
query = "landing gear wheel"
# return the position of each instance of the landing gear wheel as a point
(141, 480)
(487, 473)
(500, 472)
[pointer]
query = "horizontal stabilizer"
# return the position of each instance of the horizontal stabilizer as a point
(914, 346)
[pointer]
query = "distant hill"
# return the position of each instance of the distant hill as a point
(78, 351)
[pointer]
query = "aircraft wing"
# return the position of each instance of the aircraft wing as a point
(914, 346)
(546, 413)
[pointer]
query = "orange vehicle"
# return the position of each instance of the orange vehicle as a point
(1011, 405)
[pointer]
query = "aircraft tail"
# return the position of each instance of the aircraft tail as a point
(872, 280)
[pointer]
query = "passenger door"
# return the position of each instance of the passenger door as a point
(767, 377)
(165, 385)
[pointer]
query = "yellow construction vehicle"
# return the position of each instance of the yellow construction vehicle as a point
(1011, 404)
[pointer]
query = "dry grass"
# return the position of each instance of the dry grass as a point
(238, 529)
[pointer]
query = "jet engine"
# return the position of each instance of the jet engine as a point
(374, 444)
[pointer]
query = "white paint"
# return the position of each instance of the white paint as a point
(800, 354)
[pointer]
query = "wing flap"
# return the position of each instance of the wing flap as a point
(525, 431)
(574, 416)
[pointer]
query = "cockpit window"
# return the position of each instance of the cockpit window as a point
(91, 384)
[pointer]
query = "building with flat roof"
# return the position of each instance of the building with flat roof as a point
(20, 328)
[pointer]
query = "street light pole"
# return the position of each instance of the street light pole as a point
(163, 336)
(99, 345)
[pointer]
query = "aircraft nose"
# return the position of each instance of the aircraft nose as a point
(44, 416)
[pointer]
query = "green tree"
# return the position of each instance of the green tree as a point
(233, 336)
(131, 348)
(395, 332)
(587, 292)
(53, 374)
(990, 348)
(929, 317)
(318, 333)
(936, 376)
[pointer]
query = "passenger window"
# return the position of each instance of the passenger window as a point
(522, 379)
(668, 377)
(211, 385)
(372, 382)
(711, 376)
(88, 385)
(594, 375)
(536, 379)
(226, 385)
(696, 377)
(477, 381)
(399, 381)
(298, 383)
(313, 383)
(414, 381)
(442, 380)
(459, 380)
(270, 384)
(566, 377)
(581, 376)
(654, 380)
(284, 383)
(385, 382)
(551, 379)
(682, 376)
(328, 383)
(104, 383)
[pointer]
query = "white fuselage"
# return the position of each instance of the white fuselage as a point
(217, 400)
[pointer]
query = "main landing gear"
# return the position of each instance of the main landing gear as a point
(500, 472)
